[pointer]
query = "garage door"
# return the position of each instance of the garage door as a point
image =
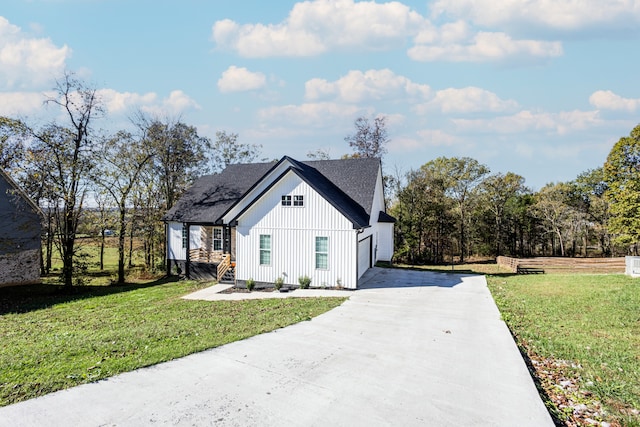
(364, 255)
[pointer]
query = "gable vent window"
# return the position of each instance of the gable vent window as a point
(297, 200)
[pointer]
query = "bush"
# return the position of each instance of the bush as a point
(278, 283)
(250, 284)
(304, 281)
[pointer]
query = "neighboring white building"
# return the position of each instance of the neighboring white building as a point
(322, 219)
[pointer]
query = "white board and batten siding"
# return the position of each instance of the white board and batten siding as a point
(293, 232)
(175, 249)
(385, 242)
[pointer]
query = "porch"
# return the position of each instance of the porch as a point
(214, 258)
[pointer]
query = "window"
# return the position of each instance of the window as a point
(217, 239)
(265, 249)
(185, 236)
(322, 253)
(298, 200)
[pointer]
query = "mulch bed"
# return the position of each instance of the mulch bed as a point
(245, 290)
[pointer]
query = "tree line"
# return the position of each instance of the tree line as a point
(451, 208)
(84, 177)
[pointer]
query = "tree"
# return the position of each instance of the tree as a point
(622, 175)
(12, 133)
(590, 188)
(227, 150)
(319, 154)
(461, 176)
(123, 159)
(553, 207)
(424, 215)
(69, 151)
(369, 139)
(180, 155)
(496, 191)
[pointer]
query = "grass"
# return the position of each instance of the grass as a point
(590, 320)
(51, 340)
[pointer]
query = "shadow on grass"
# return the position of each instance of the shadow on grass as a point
(458, 269)
(25, 298)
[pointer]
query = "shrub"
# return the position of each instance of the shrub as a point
(250, 284)
(304, 281)
(278, 283)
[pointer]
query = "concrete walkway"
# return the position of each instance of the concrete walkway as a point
(409, 349)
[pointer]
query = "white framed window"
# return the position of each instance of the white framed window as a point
(298, 200)
(322, 253)
(185, 236)
(217, 239)
(286, 200)
(265, 249)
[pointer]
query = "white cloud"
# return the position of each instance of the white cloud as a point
(480, 47)
(311, 114)
(27, 61)
(607, 100)
(436, 138)
(119, 102)
(357, 86)
(466, 100)
(313, 27)
(239, 79)
(564, 15)
(178, 102)
(14, 104)
(123, 102)
(528, 121)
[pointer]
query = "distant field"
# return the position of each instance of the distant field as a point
(89, 249)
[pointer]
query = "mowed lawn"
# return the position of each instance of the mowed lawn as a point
(591, 321)
(51, 340)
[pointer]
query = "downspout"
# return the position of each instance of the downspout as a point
(188, 255)
(166, 246)
(359, 231)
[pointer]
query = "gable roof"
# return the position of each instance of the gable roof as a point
(348, 184)
(357, 214)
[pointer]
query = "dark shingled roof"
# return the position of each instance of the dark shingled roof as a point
(348, 184)
(211, 196)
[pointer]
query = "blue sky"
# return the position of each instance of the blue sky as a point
(542, 88)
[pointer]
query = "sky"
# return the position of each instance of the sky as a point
(541, 88)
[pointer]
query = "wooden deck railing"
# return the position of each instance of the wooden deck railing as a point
(224, 265)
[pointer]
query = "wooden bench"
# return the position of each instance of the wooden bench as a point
(529, 270)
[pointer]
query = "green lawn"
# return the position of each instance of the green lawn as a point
(51, 341)
(590, 321)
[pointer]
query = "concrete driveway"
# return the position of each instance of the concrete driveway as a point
(409, 349)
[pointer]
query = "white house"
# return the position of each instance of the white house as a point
(322, 219)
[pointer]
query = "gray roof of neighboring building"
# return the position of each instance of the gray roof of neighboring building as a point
(20, 218)
(348, 184)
